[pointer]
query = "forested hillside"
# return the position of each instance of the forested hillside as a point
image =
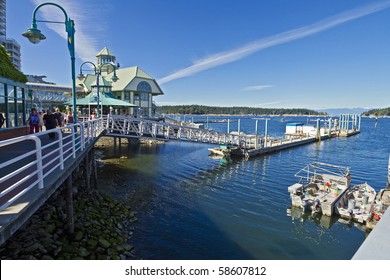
(207, 110)
(378, 112)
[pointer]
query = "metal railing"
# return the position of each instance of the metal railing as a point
(26, 161)
(125, 126)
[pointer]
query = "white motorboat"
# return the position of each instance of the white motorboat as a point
(320, 187)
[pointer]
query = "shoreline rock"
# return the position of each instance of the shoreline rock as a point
(102, 229)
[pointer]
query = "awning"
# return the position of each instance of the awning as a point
(107, 99)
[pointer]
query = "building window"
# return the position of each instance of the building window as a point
(144, 86)
(12, 105)
(2, 106)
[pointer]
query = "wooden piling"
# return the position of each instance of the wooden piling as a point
(69, 204)
(87, 173)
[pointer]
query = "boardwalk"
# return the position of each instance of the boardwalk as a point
(33, 167)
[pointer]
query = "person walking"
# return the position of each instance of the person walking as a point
(2, 120)
(33, 121)
(40, 123)
(59, 117)
(50, 122)
(70, 117)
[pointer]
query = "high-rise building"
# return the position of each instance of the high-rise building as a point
(3, 22)
(12, 47)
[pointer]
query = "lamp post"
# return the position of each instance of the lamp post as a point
(34, 35)
(98, 72)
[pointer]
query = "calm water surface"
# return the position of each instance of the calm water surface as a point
(192, 206)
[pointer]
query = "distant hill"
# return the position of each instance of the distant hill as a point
(338, 111)
(378, 112)
(204, 110)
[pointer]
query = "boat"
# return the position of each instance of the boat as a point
(320, 187)
(220, 151)
(357, 203)
(382, 202)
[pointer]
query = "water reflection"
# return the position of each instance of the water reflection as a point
(297, 214)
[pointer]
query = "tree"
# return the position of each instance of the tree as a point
(8, 70)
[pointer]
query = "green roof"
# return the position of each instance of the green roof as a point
(107, 99)
(128, 79)
(102, 82)
(105, 51)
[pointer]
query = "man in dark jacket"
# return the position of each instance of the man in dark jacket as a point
(50, 122)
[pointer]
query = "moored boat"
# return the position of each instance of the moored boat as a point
(382, 202)
(320, 187)
(221, 150)
(357, 203)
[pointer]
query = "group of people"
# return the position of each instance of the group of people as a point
(39, 119)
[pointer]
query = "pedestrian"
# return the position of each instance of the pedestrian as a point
(33, 121)
(70, 117)
(59, 117)
(2, 120)
(50, 122)
(92, 116)
(40, 123)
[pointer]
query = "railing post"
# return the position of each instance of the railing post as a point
(61, 148)
(38, 154)
(74, 142)
(82, 136)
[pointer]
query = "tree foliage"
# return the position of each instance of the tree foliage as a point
(205, 110)
(8, 70)
(378, 112)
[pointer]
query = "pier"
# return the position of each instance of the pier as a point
(241, 144)
(33, 167)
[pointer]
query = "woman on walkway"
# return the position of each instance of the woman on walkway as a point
(33, 121)
(40, 116)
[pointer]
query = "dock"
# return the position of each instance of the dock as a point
(241, 144)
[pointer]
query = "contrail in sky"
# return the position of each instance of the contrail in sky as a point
(281, 38)
(86, 46)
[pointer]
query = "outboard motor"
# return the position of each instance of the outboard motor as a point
(316, 205)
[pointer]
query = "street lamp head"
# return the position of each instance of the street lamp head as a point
(114, 78)
(81, 76)
(34, 35)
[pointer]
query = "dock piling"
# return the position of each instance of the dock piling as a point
(69, 205)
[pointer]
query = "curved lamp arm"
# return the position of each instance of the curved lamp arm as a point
(81, 76)
(114, 77)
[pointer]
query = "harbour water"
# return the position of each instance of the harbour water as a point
(193, 206)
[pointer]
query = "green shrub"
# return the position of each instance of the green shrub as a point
(8, 70)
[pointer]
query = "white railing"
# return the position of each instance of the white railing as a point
(125, 126)
(21, 171)
(142, 128)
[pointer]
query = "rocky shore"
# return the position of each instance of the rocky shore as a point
(103, 228)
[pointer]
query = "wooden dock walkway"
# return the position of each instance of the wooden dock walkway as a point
(241, 144)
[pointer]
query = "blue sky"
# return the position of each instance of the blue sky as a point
(267, 53)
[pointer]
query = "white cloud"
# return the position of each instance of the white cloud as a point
(256, 88)
(89, 36)
(281, 38)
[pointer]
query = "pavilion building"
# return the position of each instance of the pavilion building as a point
(133, 85)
